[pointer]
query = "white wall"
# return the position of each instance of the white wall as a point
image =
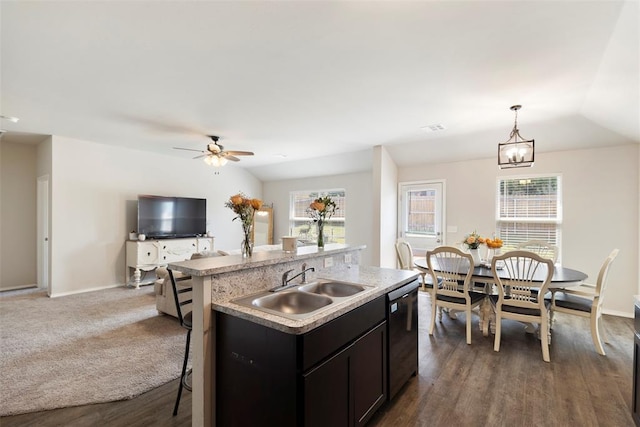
(600, 202)
(359, 208)
(385, 188)
(94, 190)
(18, 215)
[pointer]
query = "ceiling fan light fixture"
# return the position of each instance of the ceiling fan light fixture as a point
(517, 152)
(215, 161)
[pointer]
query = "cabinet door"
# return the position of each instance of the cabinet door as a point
(205, 244)
(326, 393)
(147, 253)
(368, 373)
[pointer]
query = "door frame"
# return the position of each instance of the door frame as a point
(42, 235)
(443, 220)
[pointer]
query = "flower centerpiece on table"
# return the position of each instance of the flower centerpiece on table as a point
(246, 208)
(473, 240)
(320, 210)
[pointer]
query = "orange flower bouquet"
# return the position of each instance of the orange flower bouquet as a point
(320, 210)
(246, 208)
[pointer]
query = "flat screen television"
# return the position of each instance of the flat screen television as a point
(162, 217)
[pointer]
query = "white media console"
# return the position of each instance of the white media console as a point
(150, 254)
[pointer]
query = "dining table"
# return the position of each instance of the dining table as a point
(563, 277)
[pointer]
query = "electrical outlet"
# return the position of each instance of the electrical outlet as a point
(347, 258)
(328, 262)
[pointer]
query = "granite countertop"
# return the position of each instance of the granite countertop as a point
(222, 264)
(379, 280)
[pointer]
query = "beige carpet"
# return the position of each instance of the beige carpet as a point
(87, 348)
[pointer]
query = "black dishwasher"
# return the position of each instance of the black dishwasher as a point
(402, 336)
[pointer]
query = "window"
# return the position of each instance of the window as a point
(529, 209)
(301, 225)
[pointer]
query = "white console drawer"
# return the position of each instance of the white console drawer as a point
(177, 250)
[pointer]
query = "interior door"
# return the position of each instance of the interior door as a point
(43, 233)
(421, 215)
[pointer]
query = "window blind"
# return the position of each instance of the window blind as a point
(529, 209)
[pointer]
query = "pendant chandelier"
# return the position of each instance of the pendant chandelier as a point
(517, 152)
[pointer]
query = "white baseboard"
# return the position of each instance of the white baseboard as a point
(619, 313)
(81, 291)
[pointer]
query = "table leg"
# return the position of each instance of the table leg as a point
(136, 278)
(485, 317)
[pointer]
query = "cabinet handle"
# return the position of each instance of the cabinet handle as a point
(148, 253)
(164, 247)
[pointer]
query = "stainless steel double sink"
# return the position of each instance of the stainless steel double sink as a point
(302, 301)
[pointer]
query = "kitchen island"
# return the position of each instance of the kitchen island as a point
(218, 281)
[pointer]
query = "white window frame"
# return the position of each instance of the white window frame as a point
(339, 217)
(557, 220)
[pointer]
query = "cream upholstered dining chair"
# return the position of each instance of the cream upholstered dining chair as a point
(404, 253)
(447, 266)
(540, 247)
(586, 300)
(520, 294)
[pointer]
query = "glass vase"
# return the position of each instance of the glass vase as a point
(246, 247)
(321, 234)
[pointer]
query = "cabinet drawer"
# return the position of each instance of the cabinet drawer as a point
(330, 337)
(177, 250)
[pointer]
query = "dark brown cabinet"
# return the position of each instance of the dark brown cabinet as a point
(334, 375)
(347, 389)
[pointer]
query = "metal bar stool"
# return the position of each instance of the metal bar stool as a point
(185, 322)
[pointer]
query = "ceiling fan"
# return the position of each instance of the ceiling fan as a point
(215, 154)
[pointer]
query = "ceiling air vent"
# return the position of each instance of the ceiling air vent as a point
(437, 127)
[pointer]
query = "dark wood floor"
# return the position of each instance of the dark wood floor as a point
(458, 384)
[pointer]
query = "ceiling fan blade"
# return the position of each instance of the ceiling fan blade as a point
(240, 153)
(232, 158)
(200, 156)
(187, 149)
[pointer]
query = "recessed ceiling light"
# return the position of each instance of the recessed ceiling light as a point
(436, 127)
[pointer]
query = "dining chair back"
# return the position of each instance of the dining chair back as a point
(404, 253)
(183, 298)
(540, 247)
(522, 279)
(452, 269)
(586, 301)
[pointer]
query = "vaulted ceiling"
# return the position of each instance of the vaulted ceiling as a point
(298, 80)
